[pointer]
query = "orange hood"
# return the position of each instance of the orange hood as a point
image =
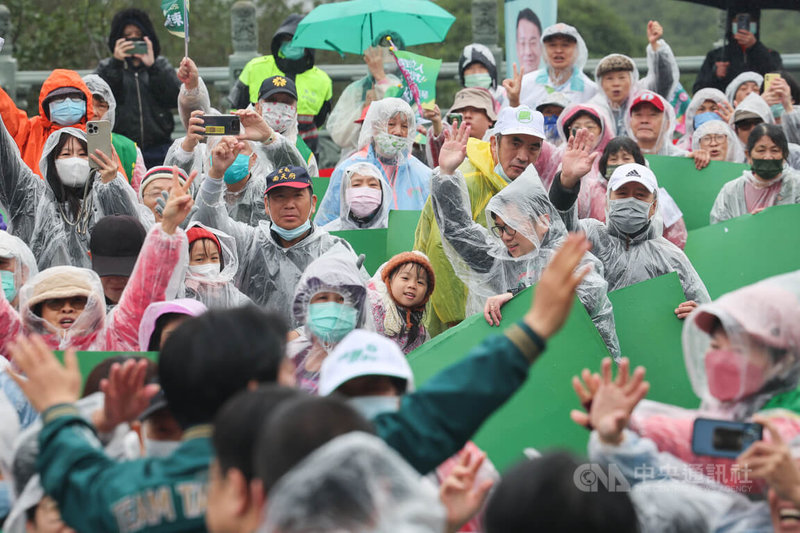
(63, 78)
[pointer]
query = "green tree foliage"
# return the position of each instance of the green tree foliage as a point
(602, 28)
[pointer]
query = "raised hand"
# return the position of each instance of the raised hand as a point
(48, 382)
(188, 74)
(555, 291)
(454, 149)
(255, 128)
(179, 203)
(513, 86)
(195, 130)
(223, 155)
(373, 57)
(578, 158)
(725, 110)
(126, 395)
(585, 387)
(773, 462)
(614, 401)
(106, 166)
(654, 33)
(459, 493)
(491, 311)
(147, 59)
(435, 116)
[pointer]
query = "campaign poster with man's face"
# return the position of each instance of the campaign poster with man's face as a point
(524, 22)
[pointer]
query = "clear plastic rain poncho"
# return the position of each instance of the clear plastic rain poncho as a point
(732, 202)
(349, 220)
(756, 104)
(538, 84)
(734, 152)
(630, 259)
(738, 81)
(26, 480)
(408, 176)
(23, 264)
(335, 271)
(742, 355)
(342, 121)
(217, 290)
(157, 276)
(268, 272)
(483, 262)
(664, 144)
(663, 76)
(353, 483)
(55, 234)
(699, 98)
(98, 86)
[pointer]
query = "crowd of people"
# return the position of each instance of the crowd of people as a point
(282, 399)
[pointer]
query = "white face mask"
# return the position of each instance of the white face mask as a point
(208, 270)
(160, 448)
(371, 406)
(73, 171)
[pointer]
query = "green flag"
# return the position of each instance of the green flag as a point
(176, 14)
(423, 71)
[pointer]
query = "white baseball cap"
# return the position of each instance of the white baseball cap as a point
(363, 353)
(521, 120)
(633, 172)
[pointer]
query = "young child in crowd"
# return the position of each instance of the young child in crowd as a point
(213, 264)
(365, 199)
(398, 295)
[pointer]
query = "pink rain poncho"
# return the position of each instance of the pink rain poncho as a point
(156, 277)
(742, 354)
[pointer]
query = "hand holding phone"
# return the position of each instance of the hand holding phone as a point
(98, 137)
(724, 438)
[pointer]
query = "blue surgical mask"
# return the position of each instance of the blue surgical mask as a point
(498, 169)
(372, 406)
(702, 118)
(238, 170)
(483, 80)
(777, 110)
(9, 288)
(68, 111)
(291, 52)
(331, 321)
(291, 234)
(550, 127)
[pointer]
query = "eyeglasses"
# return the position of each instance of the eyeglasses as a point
(713, 138)
(499, 230)
(76, 302)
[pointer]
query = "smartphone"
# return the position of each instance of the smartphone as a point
(743, 21)
(458, 117)
(139, 47)
(98, 137)
(723, 438)
(769, 77)
(221, 124)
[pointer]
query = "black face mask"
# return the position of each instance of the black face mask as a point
(767, 168)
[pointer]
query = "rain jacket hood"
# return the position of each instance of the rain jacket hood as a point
(137, 17)
(63, 78)
(380, 219)
(98, 86)
(573, 111)
(735, 151)
(217, 291)
(709, 93)
(154, 311)
(477, 53)
(738, 81)
(581, 53)
(664, 144)
(287, 29)
(25, 264)
(762, 325)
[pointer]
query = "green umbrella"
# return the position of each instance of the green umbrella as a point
(353, 26)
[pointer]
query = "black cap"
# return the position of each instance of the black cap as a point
(115, 243)
(275, 85)
(295, 177)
